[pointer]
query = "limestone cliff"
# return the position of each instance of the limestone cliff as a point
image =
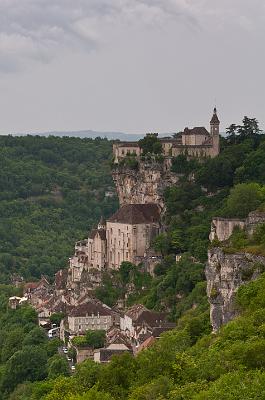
(225, 273)
(146, 184)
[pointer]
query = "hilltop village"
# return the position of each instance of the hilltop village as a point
(126, 236)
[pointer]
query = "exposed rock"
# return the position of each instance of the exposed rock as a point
(145, 184)
(225, 273)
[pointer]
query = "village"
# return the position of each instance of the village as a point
(68, 309)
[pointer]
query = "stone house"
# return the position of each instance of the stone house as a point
(130, 232)
(92, 315)
(138, 321)
(104, 355)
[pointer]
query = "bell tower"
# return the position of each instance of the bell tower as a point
(215, 123)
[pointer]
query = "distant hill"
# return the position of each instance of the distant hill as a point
(93, 134)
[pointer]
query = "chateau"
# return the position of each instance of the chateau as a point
(195, 142)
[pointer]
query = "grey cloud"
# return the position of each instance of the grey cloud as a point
(39, 29)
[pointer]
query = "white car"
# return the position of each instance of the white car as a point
(73, 368)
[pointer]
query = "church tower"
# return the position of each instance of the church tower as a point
(215, 133)
(215, 123)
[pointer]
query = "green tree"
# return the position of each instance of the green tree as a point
(28, 364)
(243, 198)
(58, 365)
(150, 144)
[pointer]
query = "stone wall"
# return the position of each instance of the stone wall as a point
(222, 228)
(225, 273)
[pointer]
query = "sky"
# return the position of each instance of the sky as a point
(130, 65)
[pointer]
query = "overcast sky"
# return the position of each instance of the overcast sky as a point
(130, 65)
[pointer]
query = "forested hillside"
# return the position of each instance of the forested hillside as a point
(52, 191)
(189, 362)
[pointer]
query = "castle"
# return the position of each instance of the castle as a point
(195, 142)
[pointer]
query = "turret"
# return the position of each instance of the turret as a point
(214, 123)
(102, 224)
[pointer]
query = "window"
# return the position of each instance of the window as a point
(127, 255)
(119, 232)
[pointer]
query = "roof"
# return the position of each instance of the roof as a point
(158, 330)
(136, 214)
(106, 354)
(151, 318)
(134, 311)
(197, 130)
(101, 232)
(215, 119)
(90, 308)
(146, 344)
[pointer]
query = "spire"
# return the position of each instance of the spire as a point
(215, 119)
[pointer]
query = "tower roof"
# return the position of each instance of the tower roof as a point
(102, 221)
(215, 119)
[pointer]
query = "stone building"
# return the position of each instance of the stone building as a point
(196, 142)
(126, 236)
(130, 232)
(91, 315)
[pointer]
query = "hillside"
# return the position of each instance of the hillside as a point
(187, 363)
(52, 191)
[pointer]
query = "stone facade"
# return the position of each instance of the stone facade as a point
(90, 315)
(222, 228)
(126, 236)
(196, 142)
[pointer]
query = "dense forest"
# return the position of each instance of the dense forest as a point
(187, 363)
(52, 191)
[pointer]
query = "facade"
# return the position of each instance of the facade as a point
(130, 232)
(126, 236)
(195, 142)
(92, 315)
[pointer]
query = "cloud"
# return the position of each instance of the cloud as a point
(38, 30)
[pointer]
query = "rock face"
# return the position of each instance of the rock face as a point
(145, 184)
(225, 273)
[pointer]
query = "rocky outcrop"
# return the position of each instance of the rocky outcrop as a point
(225, 273)
(146, 184)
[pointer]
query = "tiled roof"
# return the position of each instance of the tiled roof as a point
(197, 130)
(136, 310)
(106, 354)
(89, 308)
(151, 318)
(136, 214)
